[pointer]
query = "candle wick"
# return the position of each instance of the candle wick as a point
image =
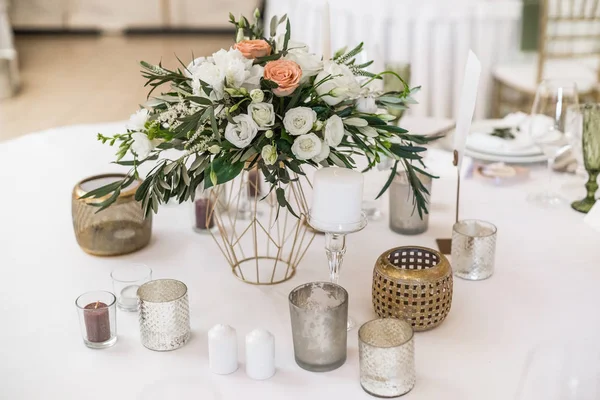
(97, 302)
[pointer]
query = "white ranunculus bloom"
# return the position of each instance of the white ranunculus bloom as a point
(334, 131)
(263, 114)
(253, 78)
(323, 154)
(242, 132)
(310, 64)
(366, 105)
(299, 120)
(137, 120)
(341, 84)
(269, 154)
(257, 95)
(142, 146)
(306, 146)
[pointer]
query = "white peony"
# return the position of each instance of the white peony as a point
(306, 146)
(137, 120)
(323, 154)
(253, 77)
(310, 64)
(242, 132)
(142, 146)
(269, 154)
(340, 85)
(299, 120)
(366, 105)
(334, 131)
(263, 114)
(257, 95)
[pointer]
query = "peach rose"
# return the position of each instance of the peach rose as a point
(286, 74)
(253, 48)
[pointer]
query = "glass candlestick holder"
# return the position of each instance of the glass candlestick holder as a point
(97, 318)
(335, 245)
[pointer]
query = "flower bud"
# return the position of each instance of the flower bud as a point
(269, 134)
(257, 95)
(214, 149)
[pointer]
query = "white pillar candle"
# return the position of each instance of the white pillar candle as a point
(222, 349)
(337, 198)
(128, 298)
(260, 354)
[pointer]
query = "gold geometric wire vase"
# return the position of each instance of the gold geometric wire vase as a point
(262, 242)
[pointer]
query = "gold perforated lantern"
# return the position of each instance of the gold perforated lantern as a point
(415, 284)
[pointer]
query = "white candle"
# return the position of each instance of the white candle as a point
(222, 349)
(128, 297)
(337, 198)
(260, 354)
(326, 26)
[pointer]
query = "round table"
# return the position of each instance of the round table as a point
(544, 289)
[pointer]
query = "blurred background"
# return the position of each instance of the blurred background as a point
(65, 62)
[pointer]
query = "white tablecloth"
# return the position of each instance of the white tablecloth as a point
(433, 36)
(544, 288)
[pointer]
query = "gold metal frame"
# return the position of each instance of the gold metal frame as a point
(285, 238)
(554, 14)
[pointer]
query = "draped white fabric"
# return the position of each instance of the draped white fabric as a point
(433, 36)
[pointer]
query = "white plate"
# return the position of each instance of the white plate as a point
(506, 159)
(495, 146)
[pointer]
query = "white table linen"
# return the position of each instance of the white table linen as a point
(544, 289)
(433, 36)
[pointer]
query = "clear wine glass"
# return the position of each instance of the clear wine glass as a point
(546, 128)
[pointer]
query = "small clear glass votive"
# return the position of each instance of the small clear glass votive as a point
(319, 314)
(473, 249)
(164, 314)
(404, 217)
(387, 357)
(204, 209)
(126, 281)
(97, 318)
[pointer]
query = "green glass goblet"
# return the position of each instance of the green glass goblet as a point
(591, 154)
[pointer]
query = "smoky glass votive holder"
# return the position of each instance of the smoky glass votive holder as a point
(387, 357)
(126, 282)
(164, 314)
(404, 216)
(319, 314)
(97, 318)
(473, 249)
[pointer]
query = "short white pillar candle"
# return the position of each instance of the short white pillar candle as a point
(260, 354)
(222, 349)
(337, 198)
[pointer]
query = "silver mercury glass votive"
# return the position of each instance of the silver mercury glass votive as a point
(164, 314)
(404, 217)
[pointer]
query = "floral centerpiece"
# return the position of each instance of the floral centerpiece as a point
(266, 103)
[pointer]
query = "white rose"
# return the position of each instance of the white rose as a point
(299, 120)
(310, 64)
(269, 154)
(323, 154)
(242, 132)
(334, 131)
(142, 146)
(366, 105)
(137, 120)
(257, 95)
(306, 146)
(253, 77)
(263, 114)
(340, 85)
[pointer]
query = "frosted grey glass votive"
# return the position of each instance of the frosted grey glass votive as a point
(164, 314)
(404, 217)
(387, 357)
(473, 249)
(319, 313)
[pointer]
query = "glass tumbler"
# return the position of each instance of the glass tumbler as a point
(164, 314)
(387, 357)
(404, 217)
(97, 318)
(126, 281)
(473, 249)
(319, 313)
